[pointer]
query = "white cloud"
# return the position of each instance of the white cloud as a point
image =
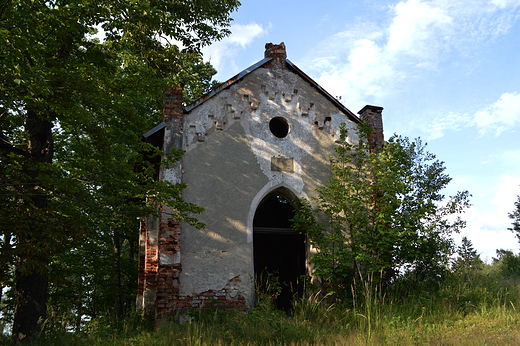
(224, 51)
(502, 115)
(488, 223)
(486, 242)
(505, 3)
(362, 75)
(506, 192)
(415, 27)
(368, 63)
(507, 159)
(450, 122)
(511, 158)
(243, 35)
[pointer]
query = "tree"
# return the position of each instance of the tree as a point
(380, 213)
(72, 113)
(468, 260)
(97, 279)
(508, 264)
(515, 216)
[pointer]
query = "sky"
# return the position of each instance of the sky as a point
(446, 71)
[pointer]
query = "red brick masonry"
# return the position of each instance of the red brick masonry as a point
(165, 278)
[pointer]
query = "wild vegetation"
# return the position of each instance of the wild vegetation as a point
(473, 304)
(73, 171)
(382, 214)
(72, 112)
(448, 297)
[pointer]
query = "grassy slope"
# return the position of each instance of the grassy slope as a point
(463, 313)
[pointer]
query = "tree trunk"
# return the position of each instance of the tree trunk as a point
(130, 281)
(6, 244)
(30, 307)
(117, 277)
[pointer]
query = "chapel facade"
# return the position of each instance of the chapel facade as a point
(252, 146)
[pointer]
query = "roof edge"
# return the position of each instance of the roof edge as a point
(322, 91)
(371, 108)
(353, 117)
(154, 130)
(226, 84)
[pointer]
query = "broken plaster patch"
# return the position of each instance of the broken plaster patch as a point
(266, 146)
(173, 173)
(215, 274)
(337, 120)
(170, 259)
(282, 164)
(215, 115)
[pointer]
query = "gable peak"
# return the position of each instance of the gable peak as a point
(277, 53)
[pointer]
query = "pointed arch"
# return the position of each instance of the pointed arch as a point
(277, 248)
(285, 190)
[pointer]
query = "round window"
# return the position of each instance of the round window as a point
(279, 127)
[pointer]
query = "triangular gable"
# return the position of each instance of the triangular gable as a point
(263, 63)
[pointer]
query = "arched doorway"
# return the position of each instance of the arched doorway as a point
(278, 249)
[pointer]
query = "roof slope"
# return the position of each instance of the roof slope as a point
(267, 62)
(263, 63)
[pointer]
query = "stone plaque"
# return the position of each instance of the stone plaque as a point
(282, 164)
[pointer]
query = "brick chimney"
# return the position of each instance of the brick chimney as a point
(172, 104)
(173, 114)
(277, 53)
(373, 115)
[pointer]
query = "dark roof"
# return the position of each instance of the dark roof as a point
(370, 107)
(154, 130)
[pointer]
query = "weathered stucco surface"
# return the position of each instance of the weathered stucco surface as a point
(232, 162)
(227, 165)
(223, 177)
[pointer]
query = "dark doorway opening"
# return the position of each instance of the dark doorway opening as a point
(278, 249)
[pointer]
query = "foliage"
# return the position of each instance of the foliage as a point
(267, 290)
(99, 98)
(508, 264)
(515, 216)
(381, 213)
(468, 260)
(459, 313)
(72, 113)
(453, 315)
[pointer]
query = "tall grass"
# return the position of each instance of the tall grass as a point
(480, 311)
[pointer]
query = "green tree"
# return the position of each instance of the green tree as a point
(72, 113)
(468, 260)
(467, 255)
(508, 264)
(381, 213)
(515, 216)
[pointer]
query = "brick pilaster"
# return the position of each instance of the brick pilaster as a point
(172, 104)
(373, 115)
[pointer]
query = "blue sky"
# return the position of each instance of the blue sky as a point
(447, 71)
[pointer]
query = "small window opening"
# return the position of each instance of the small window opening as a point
(279, 127)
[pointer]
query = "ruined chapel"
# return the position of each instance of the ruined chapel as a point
(252, 146)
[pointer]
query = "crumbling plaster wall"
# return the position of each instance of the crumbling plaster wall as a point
(222, 175)
(228, 167)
